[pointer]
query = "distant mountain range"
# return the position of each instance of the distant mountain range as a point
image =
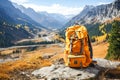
(15, 25)
(18, 22)
(97, 14)
(49, 20)
(15, 15)
(93, 16)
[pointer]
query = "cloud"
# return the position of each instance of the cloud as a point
(100, 3)
(55, 8)
(19, 1)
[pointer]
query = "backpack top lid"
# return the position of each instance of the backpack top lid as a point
(79, 30)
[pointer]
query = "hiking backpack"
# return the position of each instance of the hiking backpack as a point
(77, 49)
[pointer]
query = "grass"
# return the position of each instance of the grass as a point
(29, 61)
(33, 61)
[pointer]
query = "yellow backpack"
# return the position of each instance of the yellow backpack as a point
(77, 52)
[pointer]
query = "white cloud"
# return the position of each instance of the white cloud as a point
(20, 1)
(100, 3)
(55, 8)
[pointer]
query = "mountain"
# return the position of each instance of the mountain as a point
(79, 16)
(14, 25)
(49, 20)
(15, 14)
(70, 16)
(59, 17)
(93, 16)
(97, 14)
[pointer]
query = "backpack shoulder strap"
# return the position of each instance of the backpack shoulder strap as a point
(90, 47)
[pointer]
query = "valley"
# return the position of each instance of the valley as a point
(18, 60)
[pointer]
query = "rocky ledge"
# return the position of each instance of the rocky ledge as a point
(104, 69)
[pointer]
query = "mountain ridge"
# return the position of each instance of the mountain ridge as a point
(14, 25)
(49, 20)
(97, 14)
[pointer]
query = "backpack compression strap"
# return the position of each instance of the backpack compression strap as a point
(82, 43)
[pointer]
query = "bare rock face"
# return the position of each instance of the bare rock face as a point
(107, 63)
(97, 14)
(60, 71)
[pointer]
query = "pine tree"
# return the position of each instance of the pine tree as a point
(114, 42)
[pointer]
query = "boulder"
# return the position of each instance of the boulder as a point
(61, 72)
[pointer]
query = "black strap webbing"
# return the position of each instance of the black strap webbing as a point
(82, 46)
(90, 47)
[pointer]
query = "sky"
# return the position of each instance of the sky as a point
(65, 7)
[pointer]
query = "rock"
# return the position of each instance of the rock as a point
(1, 60)
(61, 72)
(107, 63)
(8, 60)
(47, 55)
(13, 56)
(58, 61)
